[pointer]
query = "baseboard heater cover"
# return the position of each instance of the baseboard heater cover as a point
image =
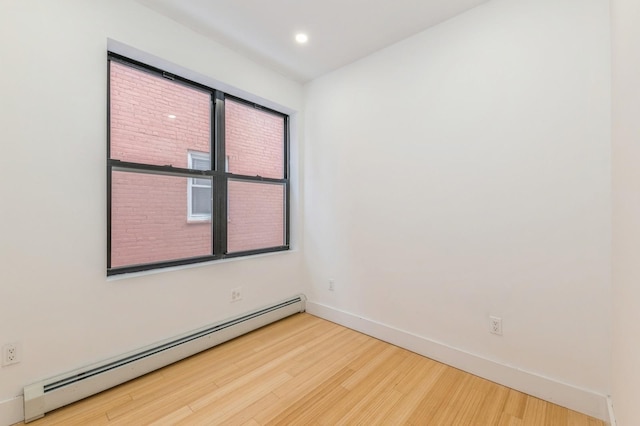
(55, 392)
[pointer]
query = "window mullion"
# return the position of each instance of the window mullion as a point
(287, 171)
(118, 165)
(219, 219)
(109, 207)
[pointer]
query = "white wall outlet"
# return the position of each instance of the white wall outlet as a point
(11, 353)
(495, 325)
(236, 294)
(332, 285)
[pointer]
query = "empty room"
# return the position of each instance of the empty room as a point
(320, 212)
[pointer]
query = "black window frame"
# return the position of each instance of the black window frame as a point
(217, 172)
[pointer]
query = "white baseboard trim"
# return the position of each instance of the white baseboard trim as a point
(546, 388)
(612, 416)
(11, 411)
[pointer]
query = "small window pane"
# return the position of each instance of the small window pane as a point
(201, 181)
(201, 201)
(199, 163)
(155, 120)
(254, 141)
(149, 220)
(255, 216)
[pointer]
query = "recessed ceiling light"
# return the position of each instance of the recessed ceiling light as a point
(171, 116)
(302, 38)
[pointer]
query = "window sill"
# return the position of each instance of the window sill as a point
(195, 221)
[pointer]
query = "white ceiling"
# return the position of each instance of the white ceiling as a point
(340, 31)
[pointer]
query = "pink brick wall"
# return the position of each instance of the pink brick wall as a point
(149, 212)
(141, 129)
(255, 215)
(253, 141)
(149, 220)
(254, 146)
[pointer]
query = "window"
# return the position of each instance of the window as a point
(194, 174)
(199, 190)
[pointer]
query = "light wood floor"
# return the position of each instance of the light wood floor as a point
(303, 371)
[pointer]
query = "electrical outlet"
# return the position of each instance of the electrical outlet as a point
(332, 285)
(495, 325)
(11, 353)
(236, 294)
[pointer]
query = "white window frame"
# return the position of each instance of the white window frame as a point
(191, 183)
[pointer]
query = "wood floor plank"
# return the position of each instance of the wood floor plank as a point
(160, 404)
(534, 412)
(507, 419)
(322, 352)
(374, 412)
(287, 349)
(556, 415)
(418, 383)
(469, 403)
(173, 417)
(363, 390)
(292, 328)
(314, 374)
(378, 366)
(247, 415)
(311, 405)
(491, 408)
(453, 405)
(437, 397)
(515, 404)
(306, 371)
(578, 419)
(264, 373)
(368, 397)
(231, 404)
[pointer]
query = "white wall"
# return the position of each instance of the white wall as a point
(626, 211)
(465, 172)
(54, 295)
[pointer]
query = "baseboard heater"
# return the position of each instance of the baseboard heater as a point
(47, 395)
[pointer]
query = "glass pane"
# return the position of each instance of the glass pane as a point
(201, 181)
(200, 164)
(254, 141)
(155, 120)
(201, 201)
(149, 220)
(255, 215)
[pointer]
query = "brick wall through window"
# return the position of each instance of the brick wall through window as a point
(157, 121)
